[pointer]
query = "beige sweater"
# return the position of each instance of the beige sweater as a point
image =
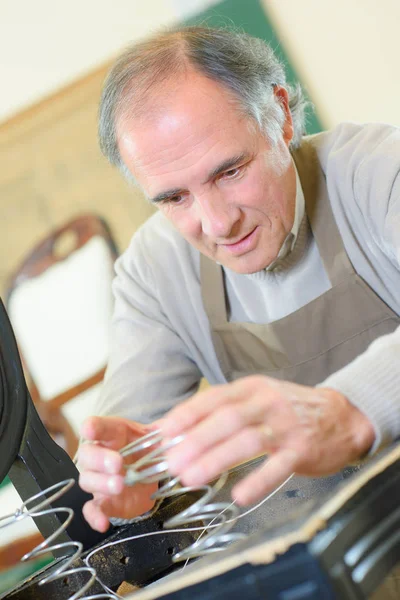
(160, 340)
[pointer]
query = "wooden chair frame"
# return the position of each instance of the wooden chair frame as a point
(43, 256)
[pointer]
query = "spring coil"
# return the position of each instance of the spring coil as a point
(30, 509)
(219, 517)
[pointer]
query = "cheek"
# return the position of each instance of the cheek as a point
(252, 192)
(268, 194)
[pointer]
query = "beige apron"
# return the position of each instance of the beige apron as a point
(307, 345)
(322, 336)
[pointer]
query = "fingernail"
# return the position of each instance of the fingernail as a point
(99, 524)
(111, 464)
(194, 476)
(174, 464)
(114, 485)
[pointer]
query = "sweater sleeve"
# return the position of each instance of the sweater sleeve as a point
(372, 381)
(149, 368)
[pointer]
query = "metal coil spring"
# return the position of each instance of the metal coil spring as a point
(30, 509)
(219, 517)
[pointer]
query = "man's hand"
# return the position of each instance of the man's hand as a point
(306, 430)
(102, 472)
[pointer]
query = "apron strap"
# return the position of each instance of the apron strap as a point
(319, 212)
(213, 291)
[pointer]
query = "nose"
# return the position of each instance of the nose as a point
(218, 217)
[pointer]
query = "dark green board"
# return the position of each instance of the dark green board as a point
(250, 16)
(4, 482)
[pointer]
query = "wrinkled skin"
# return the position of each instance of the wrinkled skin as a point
(225, 187)
(308, 431)
(231, 194)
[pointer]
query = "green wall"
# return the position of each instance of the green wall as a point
(250, 16)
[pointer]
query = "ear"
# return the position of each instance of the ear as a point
(282, 97)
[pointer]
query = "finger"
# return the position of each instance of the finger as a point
(113, 432)
(202, 404)
(246, 445)
(95, 516)
(224, 423)
(275, 470)
(133, 502)
(96, 458)
(94, 483)
(99, 428)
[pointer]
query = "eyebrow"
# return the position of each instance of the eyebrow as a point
(227, 164)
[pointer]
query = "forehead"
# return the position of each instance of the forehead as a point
(192, 122)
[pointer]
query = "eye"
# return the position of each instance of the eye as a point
(232, 173)
(177, 200)
(173, 199)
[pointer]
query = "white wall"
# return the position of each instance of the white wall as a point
(187, 8)
(348, 53)
(46, 44)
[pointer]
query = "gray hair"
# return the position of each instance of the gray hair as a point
(243, 64)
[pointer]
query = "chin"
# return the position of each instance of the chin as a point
(247, 266)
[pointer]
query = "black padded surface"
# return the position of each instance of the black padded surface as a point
(13, 396)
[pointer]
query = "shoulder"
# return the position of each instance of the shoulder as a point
(359, 153)
(361, 163)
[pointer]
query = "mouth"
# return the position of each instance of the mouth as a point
(245, 244)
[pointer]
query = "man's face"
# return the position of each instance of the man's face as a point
(227, 190)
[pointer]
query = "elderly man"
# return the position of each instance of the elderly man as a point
(272, 267)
